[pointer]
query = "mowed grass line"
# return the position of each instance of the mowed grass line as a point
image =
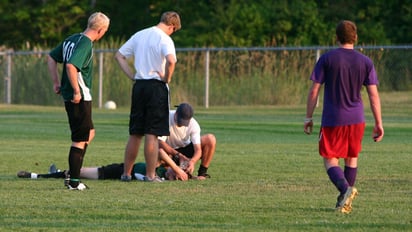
(266, 176)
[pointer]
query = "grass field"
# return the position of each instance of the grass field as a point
(266, 175)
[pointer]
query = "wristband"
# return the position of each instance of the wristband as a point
(307, 120)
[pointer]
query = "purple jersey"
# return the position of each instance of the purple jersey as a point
(344, 72)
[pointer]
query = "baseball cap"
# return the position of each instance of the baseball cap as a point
(184, 113)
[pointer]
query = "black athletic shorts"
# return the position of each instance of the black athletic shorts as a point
(115, 171)
(80, 120)
(149, 112)
(187, 151)
(111, 172)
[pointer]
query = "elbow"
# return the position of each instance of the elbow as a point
(118, 57)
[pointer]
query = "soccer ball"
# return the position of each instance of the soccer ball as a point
(110, 105)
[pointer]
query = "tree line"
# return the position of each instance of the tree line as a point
(210, 23)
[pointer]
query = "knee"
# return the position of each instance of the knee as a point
(209, 139)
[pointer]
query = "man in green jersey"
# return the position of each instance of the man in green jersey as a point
(76, 55)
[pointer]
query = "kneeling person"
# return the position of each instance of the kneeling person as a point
(186, 143)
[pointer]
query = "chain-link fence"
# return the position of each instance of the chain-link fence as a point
(204, 76)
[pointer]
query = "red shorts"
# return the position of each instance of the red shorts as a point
(341, 141)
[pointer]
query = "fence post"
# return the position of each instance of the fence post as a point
(7, 80)
(100, 79)
(207, 64)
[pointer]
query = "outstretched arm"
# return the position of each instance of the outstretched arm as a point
(180, 174)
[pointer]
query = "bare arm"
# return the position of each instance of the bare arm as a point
(180, 174)
(196, 157)
(54, 74)
(375, 104)
(171, 151)
(310, 107)
(124, 65)
(169, 69)
(72, 74)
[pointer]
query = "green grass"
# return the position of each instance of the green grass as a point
(266, 175)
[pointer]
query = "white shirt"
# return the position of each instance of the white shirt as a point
(149, 47)
(182, 136)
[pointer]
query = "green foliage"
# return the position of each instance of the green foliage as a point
(266, 175)
(210, 23)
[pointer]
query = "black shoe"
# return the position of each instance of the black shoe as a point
(24, 174)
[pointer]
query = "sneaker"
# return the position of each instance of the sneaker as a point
(79, 187)
(24, 174)
(126, 178)
(52, 169)
(156, 179)
(344, 204)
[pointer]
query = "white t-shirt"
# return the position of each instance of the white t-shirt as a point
(149, 47)
(182, 136)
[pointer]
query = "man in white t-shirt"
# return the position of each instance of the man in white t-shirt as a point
(185, 144)
(154, 56)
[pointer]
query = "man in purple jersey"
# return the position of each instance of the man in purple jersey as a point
(343, 71)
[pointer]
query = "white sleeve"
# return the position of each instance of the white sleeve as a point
(127, 49)
(162, 138)
(195, 132)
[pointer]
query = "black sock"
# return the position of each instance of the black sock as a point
(52, 175)
(75, 163)
(202, 170)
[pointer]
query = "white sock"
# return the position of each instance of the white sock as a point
(33, 175)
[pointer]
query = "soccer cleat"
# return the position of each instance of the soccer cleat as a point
(344, 204)
(79, 187)
(52, 169)
(156, 179)
(24, 174)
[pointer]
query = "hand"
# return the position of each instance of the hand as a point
(377, 133)
(190, 167)
(184, 160)
(56, 89)
(181, 175)
(308, 126)
(76, 98)
(161, 75)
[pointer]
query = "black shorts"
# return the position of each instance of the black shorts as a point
(149, 112)
(187, 151)
(80, 120)
(115, 171)
(111, 172)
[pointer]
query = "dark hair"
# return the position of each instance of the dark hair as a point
(346, 32)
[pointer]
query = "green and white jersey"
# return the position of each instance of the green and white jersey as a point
(77, 50)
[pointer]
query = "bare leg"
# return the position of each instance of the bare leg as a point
(332, 162)
(130, 155)
(208, 142)
(351, 162)
(151, 152)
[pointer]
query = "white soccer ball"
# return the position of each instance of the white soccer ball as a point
(110, 105)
